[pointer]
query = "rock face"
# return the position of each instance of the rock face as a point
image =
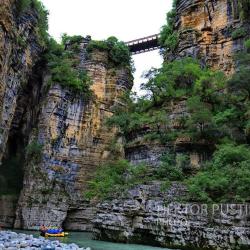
(149, 216)
(20, 57)
(138, 150)
(70, 127)
(212, 32)
(75, 141)
(209, 30)
(20, 52)
(7, 210)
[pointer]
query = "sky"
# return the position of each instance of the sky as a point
(125, 19)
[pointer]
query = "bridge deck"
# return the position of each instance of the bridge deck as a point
(145, 44)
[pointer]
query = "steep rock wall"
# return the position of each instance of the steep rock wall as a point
(75, 142)
(212, 32)
(7, 210)
(148, 215)
(206, 32)
(20, 57)
(20, 51)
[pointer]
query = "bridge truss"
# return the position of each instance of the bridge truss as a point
(145, 44)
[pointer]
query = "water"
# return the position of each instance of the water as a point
(85, 240)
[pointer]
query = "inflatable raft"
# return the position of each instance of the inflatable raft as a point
(62, 234)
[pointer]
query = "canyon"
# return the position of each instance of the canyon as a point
(75, 139)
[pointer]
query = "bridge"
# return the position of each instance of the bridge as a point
(145, 44)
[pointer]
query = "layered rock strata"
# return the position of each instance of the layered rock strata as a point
(150, 216)
(20, 61)
(75, 142)
(211, 31)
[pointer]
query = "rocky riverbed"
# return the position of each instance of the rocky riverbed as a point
(13, 241)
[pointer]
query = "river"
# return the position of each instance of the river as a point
(85, 240)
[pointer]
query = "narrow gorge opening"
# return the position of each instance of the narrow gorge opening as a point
(24, 121)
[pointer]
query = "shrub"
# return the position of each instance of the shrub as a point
(23, 5)
(174, 79)
(244, 9)
(241, 32)
(170, 169)
(73, 39)
(115, 176)
(225, 178)
(169, 38)
(64, 72)
(240, 81)
(42, 27)
(106, 179)
(97, 45)
(118, 52)
(42, 24)
(34, 152)
(247, 45)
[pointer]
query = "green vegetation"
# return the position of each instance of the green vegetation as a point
(42, 23)
(64, 71)
(119, 175)
(178, 80)
(23, 5)
(113, 177)
(118, 52)
(244, 9)
(218, 115)
(172, 167)
(169, 38)
(225, 178)
(241, 32)
(34, 152)
(72, 39)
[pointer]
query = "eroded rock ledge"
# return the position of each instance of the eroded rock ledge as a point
(149, 216)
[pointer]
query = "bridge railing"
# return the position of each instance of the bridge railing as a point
(144, 44)
(144, 39)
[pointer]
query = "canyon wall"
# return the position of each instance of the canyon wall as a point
(71, 129)
(148, 215)
(69, 126)
(20, 61)
(212, 32)
(20, 52)
(75, 142)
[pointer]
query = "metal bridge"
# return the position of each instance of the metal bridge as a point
(145, 44)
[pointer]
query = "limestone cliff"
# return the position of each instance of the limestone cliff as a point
(20, 60)
(211, 31)
(20, 52)
(70, 139)
(75, 141)
(68, 126)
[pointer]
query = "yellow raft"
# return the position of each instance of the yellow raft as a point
(63, 234)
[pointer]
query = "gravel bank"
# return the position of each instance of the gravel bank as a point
(13, 241)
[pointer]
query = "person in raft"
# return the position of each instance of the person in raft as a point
(43, 230)
(50, 230)
(54, 230)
